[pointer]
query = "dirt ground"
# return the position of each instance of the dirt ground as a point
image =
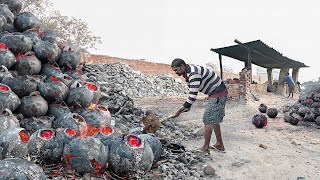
(292, 152)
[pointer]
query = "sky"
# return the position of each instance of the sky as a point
(161, 30)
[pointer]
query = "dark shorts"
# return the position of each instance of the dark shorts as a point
(215, 110)
(291, 89)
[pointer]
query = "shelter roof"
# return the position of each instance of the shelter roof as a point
(262, 55)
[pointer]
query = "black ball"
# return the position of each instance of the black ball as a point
(259, 120)
(263, 108)
(272, 112)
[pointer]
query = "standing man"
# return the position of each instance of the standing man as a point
(290, 83)
(202, 79)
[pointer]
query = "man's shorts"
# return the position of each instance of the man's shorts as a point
(291, 89)
(215, 110)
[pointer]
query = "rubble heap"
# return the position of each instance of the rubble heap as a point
(121, 77)
(68, 124)
(306, 111)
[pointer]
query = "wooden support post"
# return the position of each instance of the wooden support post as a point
(221, 69)
(270, 80)
(249, 59)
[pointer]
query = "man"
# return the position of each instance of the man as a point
(201, 79)
(290, 83)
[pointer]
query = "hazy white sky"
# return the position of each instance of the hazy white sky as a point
(161, 30)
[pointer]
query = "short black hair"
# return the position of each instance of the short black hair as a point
(177, 62)
(287, 74)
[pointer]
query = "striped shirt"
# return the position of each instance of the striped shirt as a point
(201, 79)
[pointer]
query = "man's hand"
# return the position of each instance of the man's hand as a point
(181, 110)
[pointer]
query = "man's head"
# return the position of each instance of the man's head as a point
(178, 66)
(287, 74)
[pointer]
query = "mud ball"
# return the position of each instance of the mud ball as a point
(272, 112)
(155, 145)
(15, 168)
(130, 156)
(259, 120)
(318, 120)
(86, 155)
(46, 145)
(302, 111)
(309, 116)
(14, 143)
(8, 120)
(286, 109)
(295, 119)
(263, 108)
(287, 116)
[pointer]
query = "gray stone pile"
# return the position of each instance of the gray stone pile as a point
(121, 77)
(307, 110)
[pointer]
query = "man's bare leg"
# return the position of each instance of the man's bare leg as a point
(219, 144)
(207, 137)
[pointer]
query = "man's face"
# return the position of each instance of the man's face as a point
(178, 70)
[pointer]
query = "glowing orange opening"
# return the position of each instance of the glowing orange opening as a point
(102, 108)
(265, 123)
(96, 166)
(46, 134)
(91, 130)
(91, 86)
(24, 136)
(20, 56)
(53, 78)
(134, 141)
(71, 132)
(4, 88)
(3, 46)
(78, 119)
(106, 130)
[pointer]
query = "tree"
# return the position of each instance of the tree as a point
(67, 29)
(214, 67)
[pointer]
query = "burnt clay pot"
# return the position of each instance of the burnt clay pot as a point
(4, 73)
(46, 145)
(16, 168)
(46, 51)
(17, 42)
(14, 142)
(86, 155)
(56, 110)
(263, 108)
(14, 5)
(33, 105)
(259, 120)
(8, 99)
(26, 20)
(155, 145)
(6, 13)
(73, 121)
(7, 58)
(79, 95)
(69, 60)
(22, 85)
(27, 64)
(272, 112)
(50, 70)
(8, 121)
(130, 156)
(53, 90)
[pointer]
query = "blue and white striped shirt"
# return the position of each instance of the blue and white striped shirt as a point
(201, 79)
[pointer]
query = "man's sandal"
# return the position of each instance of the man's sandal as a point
(217, 149)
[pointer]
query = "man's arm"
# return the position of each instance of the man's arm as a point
(194, 85)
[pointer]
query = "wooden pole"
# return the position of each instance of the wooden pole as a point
(249, 59)
(221, 70)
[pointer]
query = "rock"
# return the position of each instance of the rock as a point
(199, 131)
(263, 146)
(208, 170)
